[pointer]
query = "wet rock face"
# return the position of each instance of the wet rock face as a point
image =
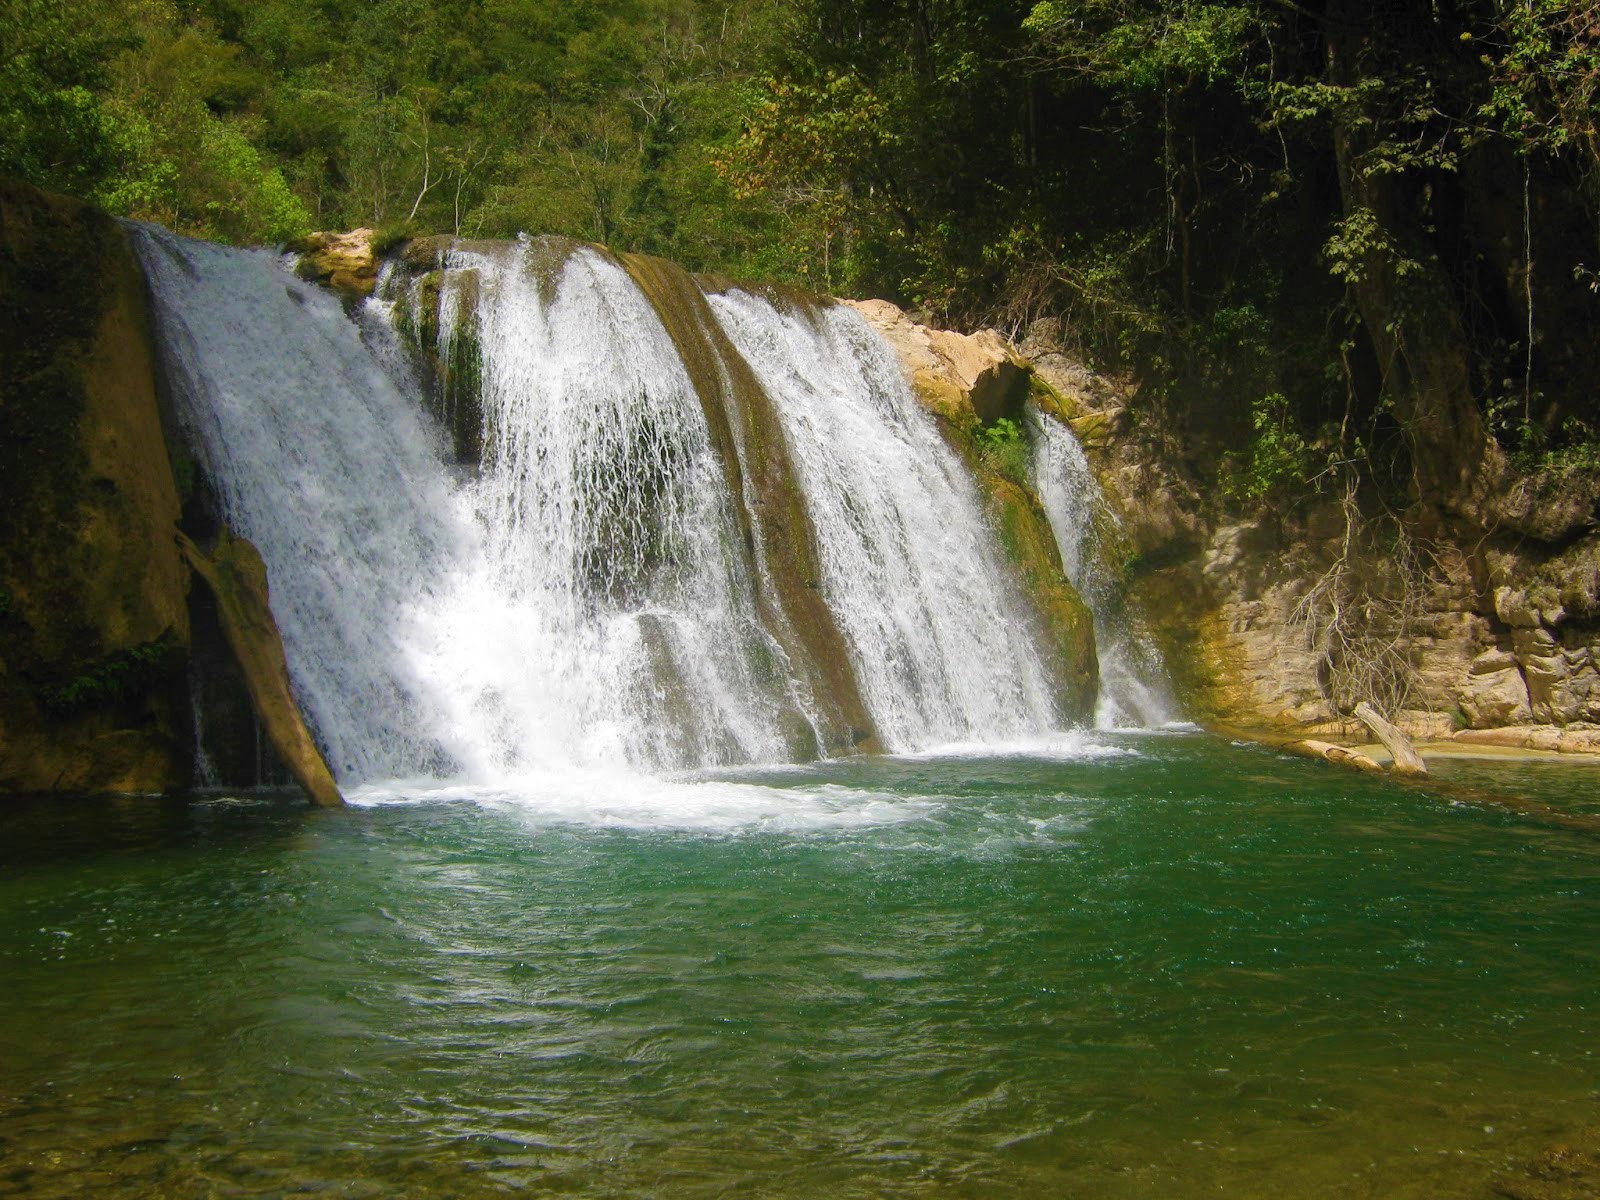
(237, 578)
(1067, 624)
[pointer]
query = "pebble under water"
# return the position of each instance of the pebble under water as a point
(1130, 966)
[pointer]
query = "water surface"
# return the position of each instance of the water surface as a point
(1155, 965)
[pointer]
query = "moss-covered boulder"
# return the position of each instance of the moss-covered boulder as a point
(93, 616)
(346, 262)
(1067, 625)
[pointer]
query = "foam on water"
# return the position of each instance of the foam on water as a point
(599, 799)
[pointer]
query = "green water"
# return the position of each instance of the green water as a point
(1184, 969)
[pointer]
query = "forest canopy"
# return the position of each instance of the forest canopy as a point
(1304, 225)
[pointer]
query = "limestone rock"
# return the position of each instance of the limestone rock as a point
(1491, 661)
(1077, 387)
(1513, 607)
(1535, 737)
(237, 577)
(1495, 698)
(345, 262)
(953, 374)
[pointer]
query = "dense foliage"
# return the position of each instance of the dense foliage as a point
(1320, 230)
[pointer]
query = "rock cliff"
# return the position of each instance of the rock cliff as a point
(93, 614)
(1271, 618)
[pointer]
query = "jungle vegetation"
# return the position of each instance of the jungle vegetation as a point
(1315, 232)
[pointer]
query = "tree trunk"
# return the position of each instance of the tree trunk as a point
(1406, 759)
(1411, 313)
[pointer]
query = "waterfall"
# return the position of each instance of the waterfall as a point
(582, 601)
(611, 619)
(1133, 688)
(321, 461)
(908, 564)
(562, 561)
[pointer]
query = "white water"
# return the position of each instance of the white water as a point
(908, 564)
(583, 603)
(333, 473)
(612, 617)
(1133, 688)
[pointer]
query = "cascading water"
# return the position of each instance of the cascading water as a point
(587, 596)
(909, 569)
(334, 474)
(612, 619)
(582, 602)
(1133, 690)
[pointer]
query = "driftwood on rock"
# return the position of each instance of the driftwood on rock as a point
(237, 577)
(1406, 759)
(1454, 792)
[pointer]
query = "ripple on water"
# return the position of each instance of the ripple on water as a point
(1184, 971)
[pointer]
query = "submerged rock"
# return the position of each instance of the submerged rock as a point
(1565, 1170)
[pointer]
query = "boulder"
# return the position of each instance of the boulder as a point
(346, 262)
(1513, 606)
(955, 375)
(1495, 697)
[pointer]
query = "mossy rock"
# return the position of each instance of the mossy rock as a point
(1202, 662)
(237, 578)
(1051, 402)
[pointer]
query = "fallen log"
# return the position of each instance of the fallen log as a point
(1406, 759)
(1456, 793)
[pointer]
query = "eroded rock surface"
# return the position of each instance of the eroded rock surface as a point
(237, 578)
(952, 372)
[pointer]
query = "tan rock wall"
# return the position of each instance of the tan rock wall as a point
(1506, 633)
